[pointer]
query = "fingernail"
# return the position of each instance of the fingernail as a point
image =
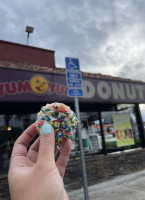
(46, 129)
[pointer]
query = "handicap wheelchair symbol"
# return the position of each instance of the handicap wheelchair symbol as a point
(71, 64)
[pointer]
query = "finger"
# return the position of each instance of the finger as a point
(62, 161)
(20, 146)
(46, 147)
(58, 148)
(33, 151)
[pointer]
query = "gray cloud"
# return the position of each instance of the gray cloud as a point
(107, 36)
(139, 66)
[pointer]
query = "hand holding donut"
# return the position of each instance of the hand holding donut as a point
(35, 174)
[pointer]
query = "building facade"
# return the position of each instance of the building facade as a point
(110, 108)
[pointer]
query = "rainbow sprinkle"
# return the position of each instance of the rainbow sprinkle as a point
(61, 118)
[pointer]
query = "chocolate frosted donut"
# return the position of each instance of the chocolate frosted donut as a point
(60, 117)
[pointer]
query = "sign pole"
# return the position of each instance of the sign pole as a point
(74, 83)
(81, 151)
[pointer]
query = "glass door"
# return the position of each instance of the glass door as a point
(121, 129)
(90, 133)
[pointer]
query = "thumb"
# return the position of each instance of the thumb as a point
(47, 143)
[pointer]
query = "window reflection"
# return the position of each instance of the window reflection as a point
(121, 128)
(90, 133)
(11, 126)
(142, 110)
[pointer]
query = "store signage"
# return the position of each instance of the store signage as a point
(33, 86)
(108, 90)
(73, 77)
(26, 87)
(123, 129)
(75, 92)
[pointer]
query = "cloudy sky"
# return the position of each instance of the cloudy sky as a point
(108, 36)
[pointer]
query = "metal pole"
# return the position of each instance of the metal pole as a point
(81, 152)
(28, 38)
(102, 134)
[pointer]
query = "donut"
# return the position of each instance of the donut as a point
(61, 118)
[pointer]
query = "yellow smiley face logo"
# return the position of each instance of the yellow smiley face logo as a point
(39, 84)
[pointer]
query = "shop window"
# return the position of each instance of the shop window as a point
(90, 133)
(11, 126)
(120, 128)
(142, 110)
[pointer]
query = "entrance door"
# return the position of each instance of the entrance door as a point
(90, 133)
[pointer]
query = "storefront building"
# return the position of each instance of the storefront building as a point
(110, 109)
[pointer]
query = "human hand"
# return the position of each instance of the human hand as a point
(34, 175)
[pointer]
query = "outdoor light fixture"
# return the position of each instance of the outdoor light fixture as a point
(9, 128)
(29, 30)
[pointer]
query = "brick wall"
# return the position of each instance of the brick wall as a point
(26, 54)
(99, 168)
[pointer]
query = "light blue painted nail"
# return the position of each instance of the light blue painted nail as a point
(46, 129)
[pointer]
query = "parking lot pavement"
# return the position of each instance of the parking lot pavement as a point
(127, 187)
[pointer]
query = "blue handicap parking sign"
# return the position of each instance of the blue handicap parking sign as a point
(75, 92)
(73, 77)
(72, 63)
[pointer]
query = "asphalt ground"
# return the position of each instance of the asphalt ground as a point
(126, 187)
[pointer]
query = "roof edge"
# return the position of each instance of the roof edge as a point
(25, 46)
